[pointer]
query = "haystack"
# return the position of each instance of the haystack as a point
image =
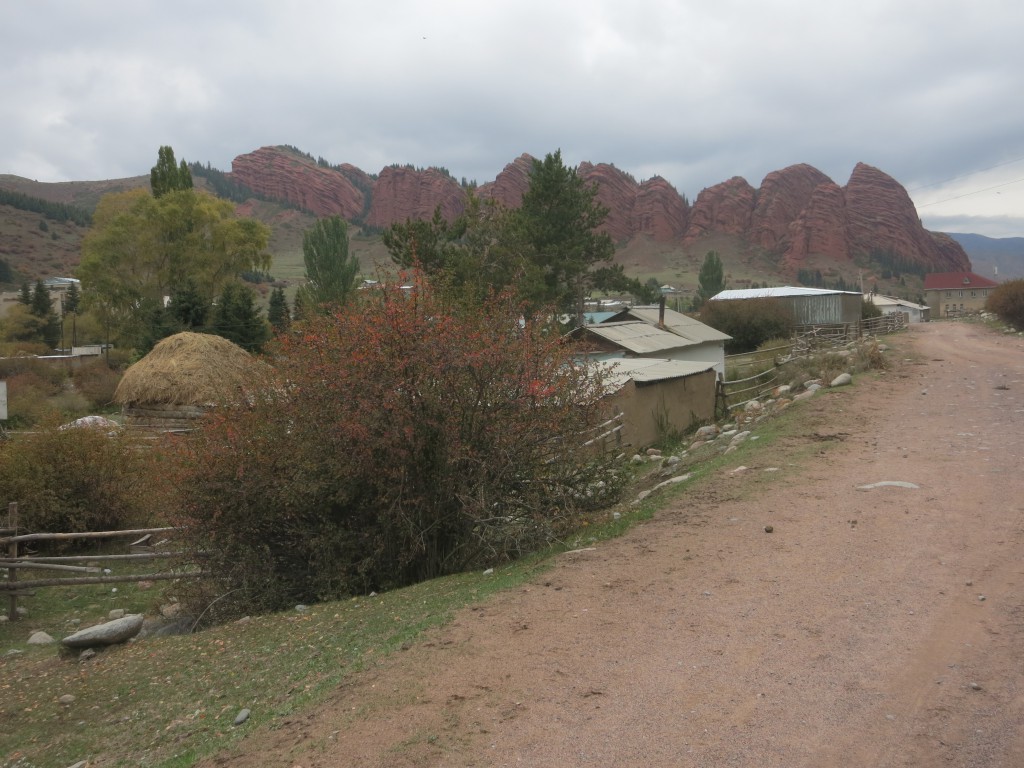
(183, 377)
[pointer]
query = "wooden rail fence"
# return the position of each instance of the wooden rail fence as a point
(140, 550)
(763, 365)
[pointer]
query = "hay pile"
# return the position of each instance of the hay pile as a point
(187, 373)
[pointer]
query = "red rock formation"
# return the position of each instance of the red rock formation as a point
(798, 212)
(780, 199)
(659, 212)
(820, 228)
(402, 193)
(617, 192)
(282, 174)
(882, 217)
(725, 208)
(511, 184)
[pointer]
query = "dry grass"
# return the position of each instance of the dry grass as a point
(190, 369)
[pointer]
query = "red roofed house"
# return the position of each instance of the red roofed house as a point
(950, 294)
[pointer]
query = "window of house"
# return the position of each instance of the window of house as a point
(961, 294)
(949, 294)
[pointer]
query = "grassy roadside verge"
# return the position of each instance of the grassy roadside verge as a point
(171, 701)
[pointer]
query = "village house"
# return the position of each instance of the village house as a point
(890, 305)
(951, 294)
(701, 342)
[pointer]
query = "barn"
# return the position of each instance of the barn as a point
(811, 306)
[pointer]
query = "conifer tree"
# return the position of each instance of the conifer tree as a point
(277, 311)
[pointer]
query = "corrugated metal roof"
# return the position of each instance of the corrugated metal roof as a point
(889, 301)
(785, 291)
(638, 337)
(676, 322)
(644, 370)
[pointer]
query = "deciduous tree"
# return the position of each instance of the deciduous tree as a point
(711, 279)
(166, 177)
(1007, 302)
(142, 249)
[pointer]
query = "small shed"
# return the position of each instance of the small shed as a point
(811, 306)
(183, 377)
(656, 397)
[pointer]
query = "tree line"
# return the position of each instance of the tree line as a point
(61, 212)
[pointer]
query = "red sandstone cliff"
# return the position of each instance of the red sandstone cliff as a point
(278, 173)
(659, 212)
(725, 208)
(819, 229)
(406, 193)
(797, 213)
(882, 217)
(781, 198)
(511, 184)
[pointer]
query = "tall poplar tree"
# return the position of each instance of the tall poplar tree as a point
(166, 177)
(711, 279)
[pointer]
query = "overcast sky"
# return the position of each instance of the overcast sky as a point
(929, 91)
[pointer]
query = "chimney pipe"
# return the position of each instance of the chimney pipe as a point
(661, 312)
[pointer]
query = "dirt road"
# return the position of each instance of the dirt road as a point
(880, 627)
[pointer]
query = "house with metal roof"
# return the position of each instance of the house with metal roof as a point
(891, 305)
(811, 306)
(657, 398)
(951, 294)
(702, 343)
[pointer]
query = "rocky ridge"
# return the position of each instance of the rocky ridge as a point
(797, 213)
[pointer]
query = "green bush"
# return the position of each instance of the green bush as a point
(750, 322)
(1007, 303)
(74, 480)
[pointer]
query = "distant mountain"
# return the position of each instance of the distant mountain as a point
(999, 258)
(797, 216)
(797, 220)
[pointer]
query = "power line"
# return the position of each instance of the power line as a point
(975, 192)
(969, 173)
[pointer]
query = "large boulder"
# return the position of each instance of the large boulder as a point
(110, 633)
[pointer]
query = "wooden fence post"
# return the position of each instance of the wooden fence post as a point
(12, 552)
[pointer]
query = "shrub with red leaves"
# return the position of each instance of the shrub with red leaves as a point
(402, 438)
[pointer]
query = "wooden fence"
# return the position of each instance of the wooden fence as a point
(139, 550)
(757, 373)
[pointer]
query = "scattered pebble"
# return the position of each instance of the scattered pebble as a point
(67, 699)
(241, 717)
(768, 529)
(975, 687)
